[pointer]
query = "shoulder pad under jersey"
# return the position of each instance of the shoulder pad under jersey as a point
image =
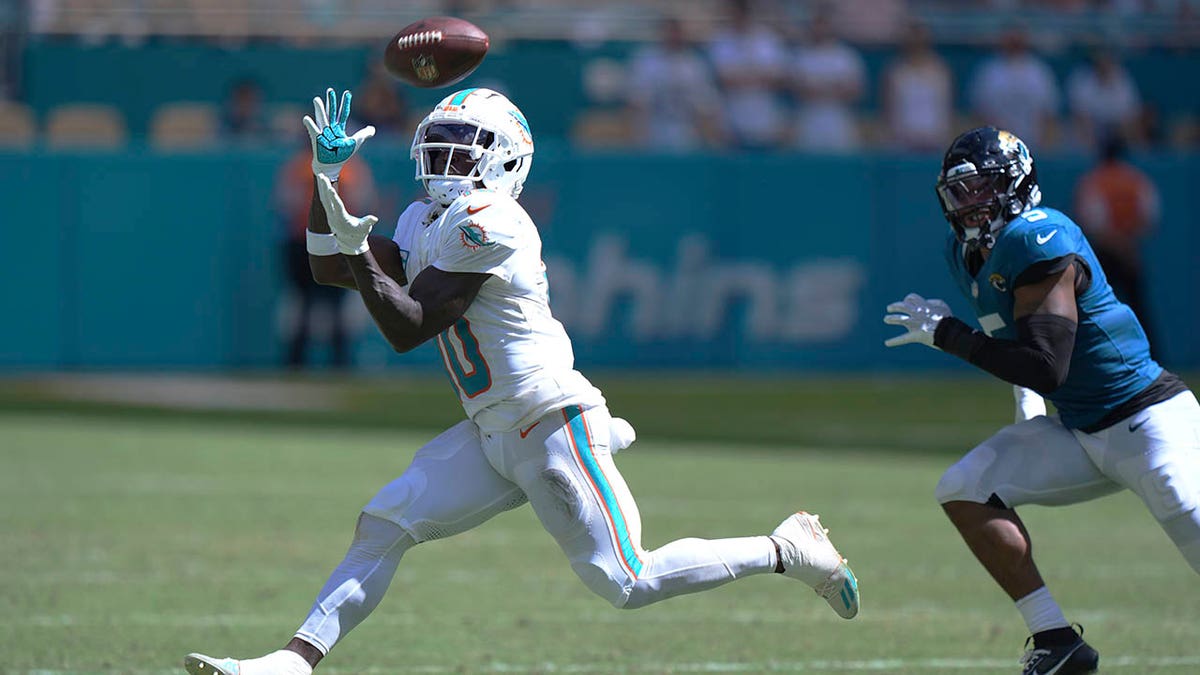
(1035, 236)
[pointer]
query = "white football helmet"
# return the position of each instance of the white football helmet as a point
(474, 136)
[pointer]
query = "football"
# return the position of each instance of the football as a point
(435, 52)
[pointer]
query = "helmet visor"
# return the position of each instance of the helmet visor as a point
(972, 191)
(446, 132)
(449, 149)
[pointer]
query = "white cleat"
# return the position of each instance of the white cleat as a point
(199, 664)
(807, 554)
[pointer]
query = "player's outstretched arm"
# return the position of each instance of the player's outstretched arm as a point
(329, 267)
(332, 148)
(436, 299)
(332, 270)
(1040, 358)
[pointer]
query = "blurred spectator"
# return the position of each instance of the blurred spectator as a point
(1104, 100)
(751, 62)
(828, 78)
(243, 116)
(918, 95)
(673, 100)
(1015, 90)
(378, 101)
(879, 22)
(1118, 206)
(604, 123)
(293, 194)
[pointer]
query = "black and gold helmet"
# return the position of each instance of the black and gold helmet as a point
(988, 178)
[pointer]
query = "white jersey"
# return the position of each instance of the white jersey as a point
(509, 359)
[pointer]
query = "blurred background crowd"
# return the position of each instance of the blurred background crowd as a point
(807, 83)
(682, 75)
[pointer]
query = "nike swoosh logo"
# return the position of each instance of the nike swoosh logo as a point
(525, 432)
(472, 210)
(1040, 239)
(1064, 658)
(1137, 425)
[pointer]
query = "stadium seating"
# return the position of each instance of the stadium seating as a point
(91, 125)
(305, 20)
(19, 128)
(602, 128)
(183, 125)
(284, 120)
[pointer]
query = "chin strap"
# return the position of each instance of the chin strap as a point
(979, 241)
(446, 190)
(975, 238)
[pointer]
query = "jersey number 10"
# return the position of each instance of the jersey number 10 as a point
(464, 362)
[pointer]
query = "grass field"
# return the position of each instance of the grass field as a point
(130, 536)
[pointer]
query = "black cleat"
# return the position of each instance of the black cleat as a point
(1075, 658)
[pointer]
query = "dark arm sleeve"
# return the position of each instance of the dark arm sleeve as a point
(1039, 359)
(1047, 268)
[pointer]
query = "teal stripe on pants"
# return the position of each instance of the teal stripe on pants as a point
(579, 434)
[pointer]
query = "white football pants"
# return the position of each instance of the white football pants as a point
(562, 466)
(1155, 454)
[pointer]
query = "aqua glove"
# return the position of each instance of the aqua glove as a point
(331, 146)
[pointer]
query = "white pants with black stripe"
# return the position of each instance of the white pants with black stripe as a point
(1155, 454)
(562, 466)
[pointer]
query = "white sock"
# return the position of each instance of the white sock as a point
(1041, 612)
(282, 662)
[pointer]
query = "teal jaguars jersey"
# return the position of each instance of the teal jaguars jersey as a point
(1111, 361)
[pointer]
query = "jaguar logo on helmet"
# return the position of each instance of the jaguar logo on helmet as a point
(1009, 143)
(425, 67)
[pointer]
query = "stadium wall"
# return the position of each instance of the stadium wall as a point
(136, 259)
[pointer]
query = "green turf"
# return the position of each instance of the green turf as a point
(920, 415)
(128, 540)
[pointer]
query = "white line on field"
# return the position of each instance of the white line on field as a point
(816, 615)
(811, 666)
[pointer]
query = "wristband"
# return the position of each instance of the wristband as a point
(330, 171)
(320, 244)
